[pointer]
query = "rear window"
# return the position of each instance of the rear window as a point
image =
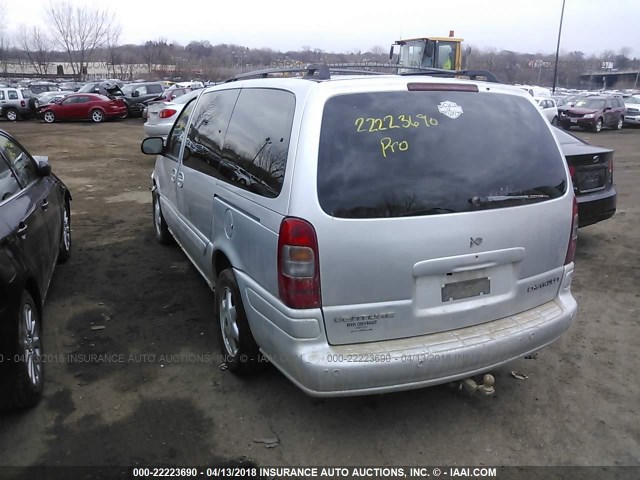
(391, 154)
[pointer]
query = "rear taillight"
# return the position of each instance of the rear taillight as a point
(298, 267)
(167, 112)
(572, 172)
(610, 169)
(573, 240)
(22, 103)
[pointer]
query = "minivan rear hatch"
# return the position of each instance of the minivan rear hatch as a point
(444, 208)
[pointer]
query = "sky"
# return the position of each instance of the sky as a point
(590, 26)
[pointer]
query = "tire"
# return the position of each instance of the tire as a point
(12, 114)
(49, 117)
(554, 121)
(65, 242)
(597, 128)
(620, 123)
(23, 380)
(566, 126)
(97, 116)
(237, 344)
(163, 235)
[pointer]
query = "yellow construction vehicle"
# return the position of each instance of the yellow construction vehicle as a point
(429, 52)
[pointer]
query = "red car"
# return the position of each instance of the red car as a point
(84, 106)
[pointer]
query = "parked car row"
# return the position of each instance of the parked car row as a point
(52, 104)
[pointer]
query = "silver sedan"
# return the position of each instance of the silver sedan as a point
(162, 115)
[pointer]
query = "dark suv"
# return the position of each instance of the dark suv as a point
(594, 113)
(137, 94)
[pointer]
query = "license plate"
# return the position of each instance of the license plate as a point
(574, 120)
(466, 289)
(588, 181)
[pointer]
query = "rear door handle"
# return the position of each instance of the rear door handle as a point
(173, 175)
(22, 229)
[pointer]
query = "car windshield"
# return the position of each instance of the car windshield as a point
(390, 154)
(591, 103)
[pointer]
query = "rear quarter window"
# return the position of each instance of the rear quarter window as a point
(257, 141)
(390, 154)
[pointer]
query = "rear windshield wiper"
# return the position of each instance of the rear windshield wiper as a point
(428, 211)
(478, 201)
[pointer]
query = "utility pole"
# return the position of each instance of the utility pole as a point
(555, 70)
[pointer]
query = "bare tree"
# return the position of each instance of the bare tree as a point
(79, 31)
(4, 42)
(4, 52)
(114, 56)
(35, 44)
(154, 53)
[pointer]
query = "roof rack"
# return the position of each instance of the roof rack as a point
(324, 71)
(472, 74)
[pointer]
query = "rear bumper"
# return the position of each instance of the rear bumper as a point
(595, 207)
(158, 130)
(299, 349)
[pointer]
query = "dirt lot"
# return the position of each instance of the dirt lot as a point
(157, 394)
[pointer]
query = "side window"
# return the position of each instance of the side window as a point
(177, 134)
(142, 90)
(257, 142)
(8, 184)
(22, 164)
(607, 103)
(70, 100)
(12, 95)
(154, 89)
(1, 94)
(207, 132)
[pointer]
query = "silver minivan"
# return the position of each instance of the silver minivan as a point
(369, 234)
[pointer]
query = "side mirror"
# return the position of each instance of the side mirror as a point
(44, 167)
(152, 146)
(135, 93)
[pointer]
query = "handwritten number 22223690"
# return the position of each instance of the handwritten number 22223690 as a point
(388, 122)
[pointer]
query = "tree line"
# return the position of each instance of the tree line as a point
(79, 35)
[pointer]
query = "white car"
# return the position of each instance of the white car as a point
(632, 105)
(161, 115)
(549, 108)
